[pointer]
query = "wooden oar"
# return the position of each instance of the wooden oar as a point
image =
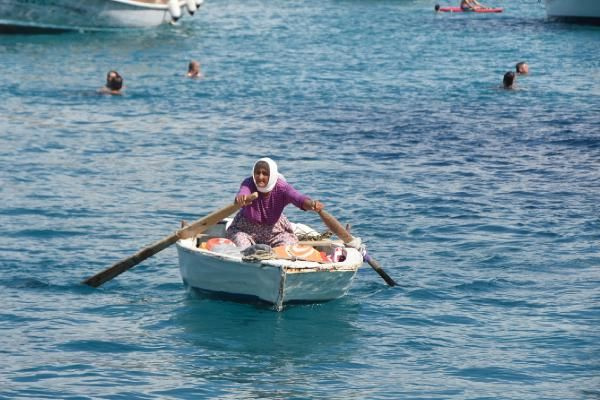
(189, 231)
(337, 228)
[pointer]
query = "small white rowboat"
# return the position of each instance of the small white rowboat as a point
(274, 280)
(45, 15)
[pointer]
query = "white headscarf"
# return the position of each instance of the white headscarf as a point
(273, 175)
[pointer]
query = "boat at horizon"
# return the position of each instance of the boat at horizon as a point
(91, 15)
(583, 11)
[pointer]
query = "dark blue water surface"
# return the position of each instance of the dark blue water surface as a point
(482, 203)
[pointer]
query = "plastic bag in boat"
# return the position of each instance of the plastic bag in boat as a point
(222, 246)
(228, 249)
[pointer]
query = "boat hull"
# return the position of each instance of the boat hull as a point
(32, 15)
(586, 11)
(274, 281)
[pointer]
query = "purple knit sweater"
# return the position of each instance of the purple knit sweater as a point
(267, 210)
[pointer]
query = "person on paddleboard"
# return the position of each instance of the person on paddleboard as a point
(471, 5)
(262, 221)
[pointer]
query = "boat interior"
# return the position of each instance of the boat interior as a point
(310, 247)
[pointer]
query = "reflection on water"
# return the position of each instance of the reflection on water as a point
(296, 333)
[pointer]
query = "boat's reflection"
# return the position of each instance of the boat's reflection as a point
(215, 324)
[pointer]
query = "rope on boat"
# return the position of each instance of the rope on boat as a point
(314, 237)
(259, 256)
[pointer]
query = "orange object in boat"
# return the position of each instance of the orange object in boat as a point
(211, 243)
(298, 251)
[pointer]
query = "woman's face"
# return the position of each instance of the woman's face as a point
(261, 174)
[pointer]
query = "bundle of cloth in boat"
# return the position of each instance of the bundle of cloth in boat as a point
(257, 253)
(260, 252)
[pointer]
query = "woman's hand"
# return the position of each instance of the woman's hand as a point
(313, 205)
(243, 199)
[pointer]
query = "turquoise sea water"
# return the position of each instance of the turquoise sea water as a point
(482, 203)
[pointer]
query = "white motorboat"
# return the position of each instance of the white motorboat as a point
(587, 11)
(47, 15)
(295, 276)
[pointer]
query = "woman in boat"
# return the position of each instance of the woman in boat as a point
(262, 221)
